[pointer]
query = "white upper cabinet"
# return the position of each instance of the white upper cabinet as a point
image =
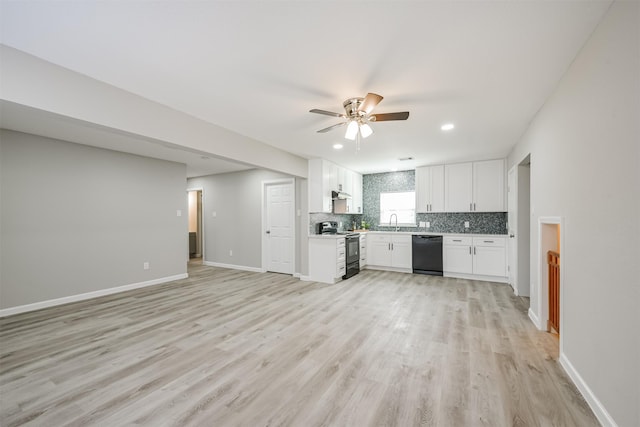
(430, 189)
(458, 187)
(488, 186)
(323, 179)
(475, 187)
(357, 193)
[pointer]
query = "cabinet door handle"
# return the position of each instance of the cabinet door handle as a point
(474, 250)
(469, 250)
(457, 240)
(488, 241)
(474, 206)
(470, 206)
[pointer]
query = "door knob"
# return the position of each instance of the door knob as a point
(512, 235)
(268, 231)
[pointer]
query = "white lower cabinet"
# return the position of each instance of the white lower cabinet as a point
(490, 256)
(363, 251)
(457, 255)
(389, 250)
(327, 259)
(485, 257)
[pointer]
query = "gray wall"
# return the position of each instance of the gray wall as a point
(374, 184)
(585, 154)
(78, 219)
(236, 198)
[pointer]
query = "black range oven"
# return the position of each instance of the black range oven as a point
(352, 255)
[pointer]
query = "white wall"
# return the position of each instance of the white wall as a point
(78, 219)
(585, 163)
(236, 199)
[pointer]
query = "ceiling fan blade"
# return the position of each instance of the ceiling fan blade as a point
(327, 113)
(369, 102)
(332, 127)
(391, 116)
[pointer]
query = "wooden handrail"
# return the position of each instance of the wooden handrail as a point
(553, 262)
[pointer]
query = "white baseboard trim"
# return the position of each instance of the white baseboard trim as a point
(384, 268)
(498, 279)
(306, 278)
(598, 409)
(89, 295)
(234, 267)
(297, 275)
(534, 319)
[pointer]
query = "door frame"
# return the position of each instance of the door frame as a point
(201, 213)
(520, 244)
(543, 279)
(265, 244)
(513, 235)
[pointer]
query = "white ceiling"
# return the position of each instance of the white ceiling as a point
(257, 67)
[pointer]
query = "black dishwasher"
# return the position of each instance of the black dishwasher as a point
(427, 254)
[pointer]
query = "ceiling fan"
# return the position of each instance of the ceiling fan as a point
(358, 112)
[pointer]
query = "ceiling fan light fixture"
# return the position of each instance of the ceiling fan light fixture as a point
(337, 146)
(365, 130)
(352, 130)
(447, 126)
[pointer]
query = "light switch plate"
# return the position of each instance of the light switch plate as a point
(423, 224)
(428, 224)
(466, 224)
(178, 212)
(214, 214)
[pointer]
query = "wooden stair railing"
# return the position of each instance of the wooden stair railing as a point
(553, 261)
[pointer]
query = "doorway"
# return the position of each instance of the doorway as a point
(278, 229)
(196, 241)
(519, 226)
(550, 240)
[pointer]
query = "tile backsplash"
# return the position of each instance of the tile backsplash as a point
(347, 220)
(374, 184)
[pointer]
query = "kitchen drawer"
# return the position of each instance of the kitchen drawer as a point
(460, 240)
(379, 238)
(341, 270)
(499, 242)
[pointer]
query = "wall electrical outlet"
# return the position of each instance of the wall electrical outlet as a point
(428, 224)
(214, 214)
(230, 252)
(466, 224)
(178, 212)
(145, 265)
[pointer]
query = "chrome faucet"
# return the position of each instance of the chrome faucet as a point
(392, 215)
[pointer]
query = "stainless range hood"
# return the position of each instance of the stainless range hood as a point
(340, 195)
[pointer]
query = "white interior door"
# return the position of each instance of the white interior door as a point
(512, 221)
(279, 224)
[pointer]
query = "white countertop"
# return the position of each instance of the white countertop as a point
(419, 233)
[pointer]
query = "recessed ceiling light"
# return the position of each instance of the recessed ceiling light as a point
(447, 126)
(337, 146)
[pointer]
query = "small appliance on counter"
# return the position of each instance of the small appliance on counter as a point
(327, 227)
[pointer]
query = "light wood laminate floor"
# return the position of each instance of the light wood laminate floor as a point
(227, 348)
